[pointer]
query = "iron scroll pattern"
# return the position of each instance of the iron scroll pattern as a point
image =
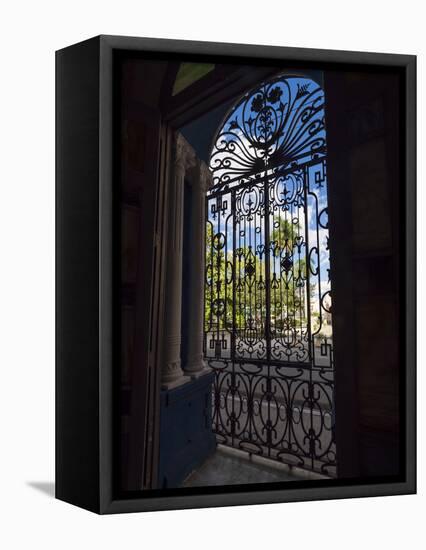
(268, 334)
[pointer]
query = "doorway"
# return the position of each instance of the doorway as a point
(268, 326)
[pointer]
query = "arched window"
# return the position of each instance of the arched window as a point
(268, 331)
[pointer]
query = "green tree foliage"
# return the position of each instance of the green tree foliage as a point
(287, 286)
(284, 233)
(218, 294)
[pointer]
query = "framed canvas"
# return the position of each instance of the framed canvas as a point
(235, 291)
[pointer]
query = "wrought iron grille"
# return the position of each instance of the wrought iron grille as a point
(268, 334)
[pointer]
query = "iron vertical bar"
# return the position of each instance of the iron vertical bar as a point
(267, 271)
(308, 266)
(234, 256)
(308, 304)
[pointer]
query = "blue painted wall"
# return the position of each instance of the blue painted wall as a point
(186, 437)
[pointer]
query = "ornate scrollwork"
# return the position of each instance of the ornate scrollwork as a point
(268, 330)
(280, 124)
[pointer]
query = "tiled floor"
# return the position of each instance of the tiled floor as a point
(224, 468)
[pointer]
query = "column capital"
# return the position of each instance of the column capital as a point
(201, 177)
(206, 177)
(185, 157)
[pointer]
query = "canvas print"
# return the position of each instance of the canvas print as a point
(257, 286)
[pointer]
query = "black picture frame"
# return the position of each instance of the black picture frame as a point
(84, 280)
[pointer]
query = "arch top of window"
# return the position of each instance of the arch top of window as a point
(276, 127)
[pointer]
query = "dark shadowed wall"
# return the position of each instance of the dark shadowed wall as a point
(364, 176)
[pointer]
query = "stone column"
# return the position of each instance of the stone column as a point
(200, 182)
(184, 159)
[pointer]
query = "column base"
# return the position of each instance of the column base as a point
(194, 375)
(175, 383)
